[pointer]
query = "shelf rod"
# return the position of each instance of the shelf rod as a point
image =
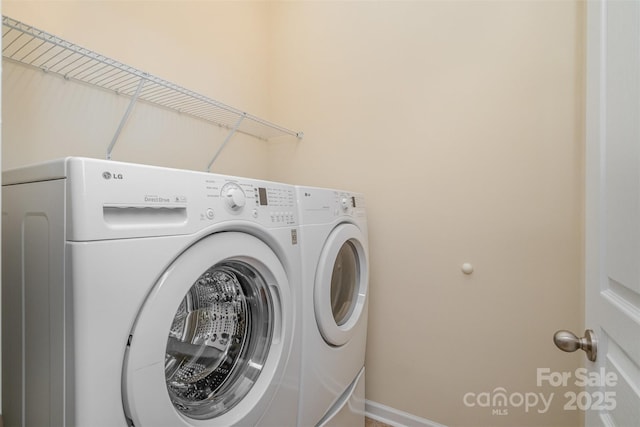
(226, 140)
(125, 118)
(76, 63)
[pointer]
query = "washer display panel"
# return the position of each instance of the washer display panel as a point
(219, 340)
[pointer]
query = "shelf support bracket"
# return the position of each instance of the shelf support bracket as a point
(125, 118)
(226, 140)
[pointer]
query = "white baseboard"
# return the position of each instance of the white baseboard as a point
(393, 417)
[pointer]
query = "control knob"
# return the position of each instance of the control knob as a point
(344, 202)
(233, 196)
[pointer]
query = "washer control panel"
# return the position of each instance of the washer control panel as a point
(122, 200)
(265, 202)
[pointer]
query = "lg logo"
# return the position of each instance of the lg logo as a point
(109, 175)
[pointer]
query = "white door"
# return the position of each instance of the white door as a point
(613, 212)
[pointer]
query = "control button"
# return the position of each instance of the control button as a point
(233, 196)
(344, 202)
(254, 213)
(210, 213)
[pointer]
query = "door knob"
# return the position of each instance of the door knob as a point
(569, 342)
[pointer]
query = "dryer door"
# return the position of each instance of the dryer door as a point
(211, 340)
(340, 293)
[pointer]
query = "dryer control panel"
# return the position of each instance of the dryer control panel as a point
(320, 205)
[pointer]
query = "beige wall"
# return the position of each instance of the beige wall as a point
(460, 121)
(462, 124)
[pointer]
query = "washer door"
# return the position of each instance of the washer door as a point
(341, 284)
(210, 343)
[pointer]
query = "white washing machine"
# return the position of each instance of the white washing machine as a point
(335, 278)
(145, 296)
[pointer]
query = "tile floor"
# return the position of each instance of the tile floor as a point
(368, 422)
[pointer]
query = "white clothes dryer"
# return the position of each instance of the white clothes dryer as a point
(335, 278)
(144, 296)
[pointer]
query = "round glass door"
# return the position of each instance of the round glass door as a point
(210, 342)
(344, 283)
(340, 292)
(219, 340)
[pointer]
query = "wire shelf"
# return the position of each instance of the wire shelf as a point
(30, 46)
